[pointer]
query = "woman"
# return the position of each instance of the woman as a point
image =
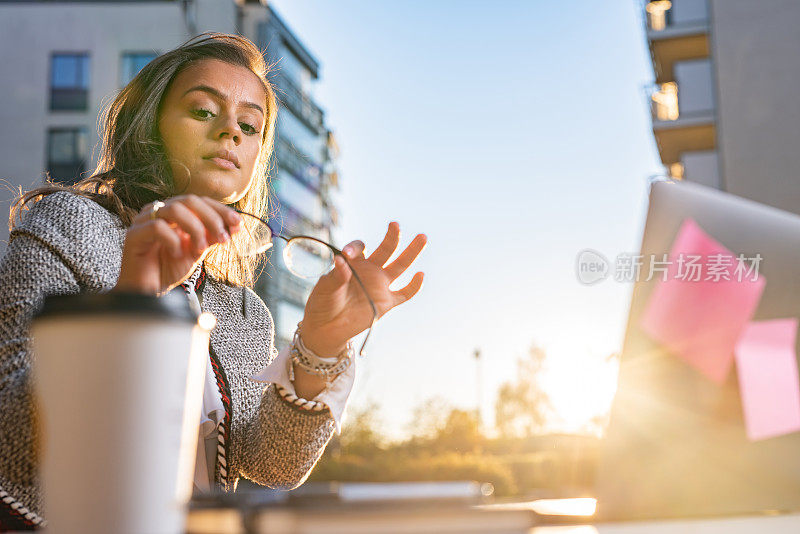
(185, 144)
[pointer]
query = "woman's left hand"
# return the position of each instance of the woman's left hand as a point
(337, 309)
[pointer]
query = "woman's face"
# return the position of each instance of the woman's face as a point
(212, 122)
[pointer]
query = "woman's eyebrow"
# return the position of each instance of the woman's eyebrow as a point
(216, 93)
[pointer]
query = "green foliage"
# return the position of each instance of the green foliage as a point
(360, 435)
(446, 444)
(428, 419)
(452, 448)
(551, 471)
(522, 405)
(460, 432)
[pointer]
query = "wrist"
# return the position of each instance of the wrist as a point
(311, 371)
(307, 385)
(321, 343)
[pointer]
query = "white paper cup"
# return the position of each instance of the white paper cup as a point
(119, 379)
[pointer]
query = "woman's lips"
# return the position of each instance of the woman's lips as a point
(222, 163)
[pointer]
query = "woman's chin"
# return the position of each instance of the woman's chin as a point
(217, 187)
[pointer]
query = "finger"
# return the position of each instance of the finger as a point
(145, 214)
(339, 276)
(407, 257)
(212, 214)
(167, 237)
(354, 249)
(232, 219)
(182, 217)
(412, 288)
(387, 247)
(143, 237)
(208, 210)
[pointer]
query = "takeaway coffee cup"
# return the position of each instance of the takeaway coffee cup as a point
(119, 381)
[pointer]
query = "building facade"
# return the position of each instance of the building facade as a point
(306, 173)
(66, 60)
(722, 108)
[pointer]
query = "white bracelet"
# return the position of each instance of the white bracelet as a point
(299, 402)
(327, 368)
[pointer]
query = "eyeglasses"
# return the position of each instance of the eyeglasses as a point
(304, 256)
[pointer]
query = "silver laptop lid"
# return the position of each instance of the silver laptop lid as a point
(676, 444)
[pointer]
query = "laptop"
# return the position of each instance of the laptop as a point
(676, 444)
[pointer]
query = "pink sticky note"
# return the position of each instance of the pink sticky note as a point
(768, 381)
(701, 320)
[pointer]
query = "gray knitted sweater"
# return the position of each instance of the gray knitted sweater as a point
(69, 244)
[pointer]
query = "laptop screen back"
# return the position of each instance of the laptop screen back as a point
(676, 444)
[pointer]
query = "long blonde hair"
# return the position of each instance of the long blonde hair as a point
(133, 169)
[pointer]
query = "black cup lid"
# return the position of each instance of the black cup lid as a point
(173, 305)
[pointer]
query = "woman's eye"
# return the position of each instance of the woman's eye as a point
(202, 113)
(248, 128)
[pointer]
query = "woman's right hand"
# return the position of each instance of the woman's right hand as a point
(161, 252)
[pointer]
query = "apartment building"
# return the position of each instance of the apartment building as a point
(722, 103)
(306, 172)
(64, 61)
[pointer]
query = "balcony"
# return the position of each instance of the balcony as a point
(300, 103)
(299, 165)
(677, 30)
(683, 111)
(676, 132)
(292, 222)
(667, 18)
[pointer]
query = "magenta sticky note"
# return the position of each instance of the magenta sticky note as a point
(769, 386)
(700, 318)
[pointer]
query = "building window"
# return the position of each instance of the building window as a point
(307, 142)
(290, 191)
(132, 63)
(291, 66)
(69, 82)
(66, 154)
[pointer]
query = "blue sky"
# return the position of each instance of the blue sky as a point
(514, 134)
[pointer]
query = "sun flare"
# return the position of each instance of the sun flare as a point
(581, 388)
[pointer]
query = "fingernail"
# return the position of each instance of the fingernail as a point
(349, 252)
(224, 236)
(235, 217)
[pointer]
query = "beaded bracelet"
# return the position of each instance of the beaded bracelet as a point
(317, 365)
(299, 402)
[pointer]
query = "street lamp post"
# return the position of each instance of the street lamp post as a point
(478, 388)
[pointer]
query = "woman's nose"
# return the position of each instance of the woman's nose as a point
(228, 127)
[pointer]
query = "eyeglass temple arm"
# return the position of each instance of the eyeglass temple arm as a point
(265, 223)
(369, 299)
(339, 252)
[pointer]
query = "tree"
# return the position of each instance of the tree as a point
(428, 419)
(460, 432)
(360, 435)
(522, 405)
(438, 427)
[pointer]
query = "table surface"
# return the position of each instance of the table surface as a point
(461, 521)
(230, 521)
